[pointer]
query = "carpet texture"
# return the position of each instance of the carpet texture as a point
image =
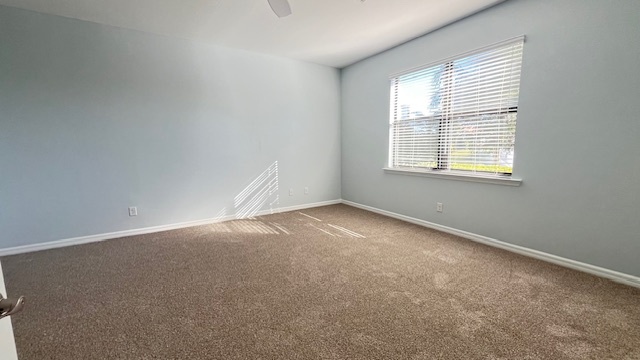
(326, 283)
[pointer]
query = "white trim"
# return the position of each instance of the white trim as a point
(7, 341)
(497, 180)
(118, 234)
(558, 260)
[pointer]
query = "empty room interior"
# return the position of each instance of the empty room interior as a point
(337, 179)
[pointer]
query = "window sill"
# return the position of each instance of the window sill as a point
(487, 179)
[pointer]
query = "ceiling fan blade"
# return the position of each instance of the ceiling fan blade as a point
(280, 7)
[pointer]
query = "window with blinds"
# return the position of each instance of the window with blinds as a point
(459, 114)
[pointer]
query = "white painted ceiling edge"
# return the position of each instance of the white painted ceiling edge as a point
(336, 33)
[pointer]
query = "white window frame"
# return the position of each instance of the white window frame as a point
(492, 178)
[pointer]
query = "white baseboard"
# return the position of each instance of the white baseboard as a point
(572, 264)
(558, 260)
(118, 234)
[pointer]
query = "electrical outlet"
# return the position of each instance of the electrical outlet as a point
(133, 211)
(439, 207)
(306, 191)
(291, 192)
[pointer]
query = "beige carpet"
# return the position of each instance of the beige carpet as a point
(326, 283)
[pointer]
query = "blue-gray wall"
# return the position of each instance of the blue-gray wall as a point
(94, 119)
(577, 141)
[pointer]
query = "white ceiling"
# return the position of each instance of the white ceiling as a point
(329, 32)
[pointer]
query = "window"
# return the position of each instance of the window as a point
(458, 115)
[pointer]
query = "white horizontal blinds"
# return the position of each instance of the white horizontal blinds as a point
(415, 143)
(415, 118)
(484, 105)
(458, 115)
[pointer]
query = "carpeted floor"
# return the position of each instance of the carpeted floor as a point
(325, 283)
